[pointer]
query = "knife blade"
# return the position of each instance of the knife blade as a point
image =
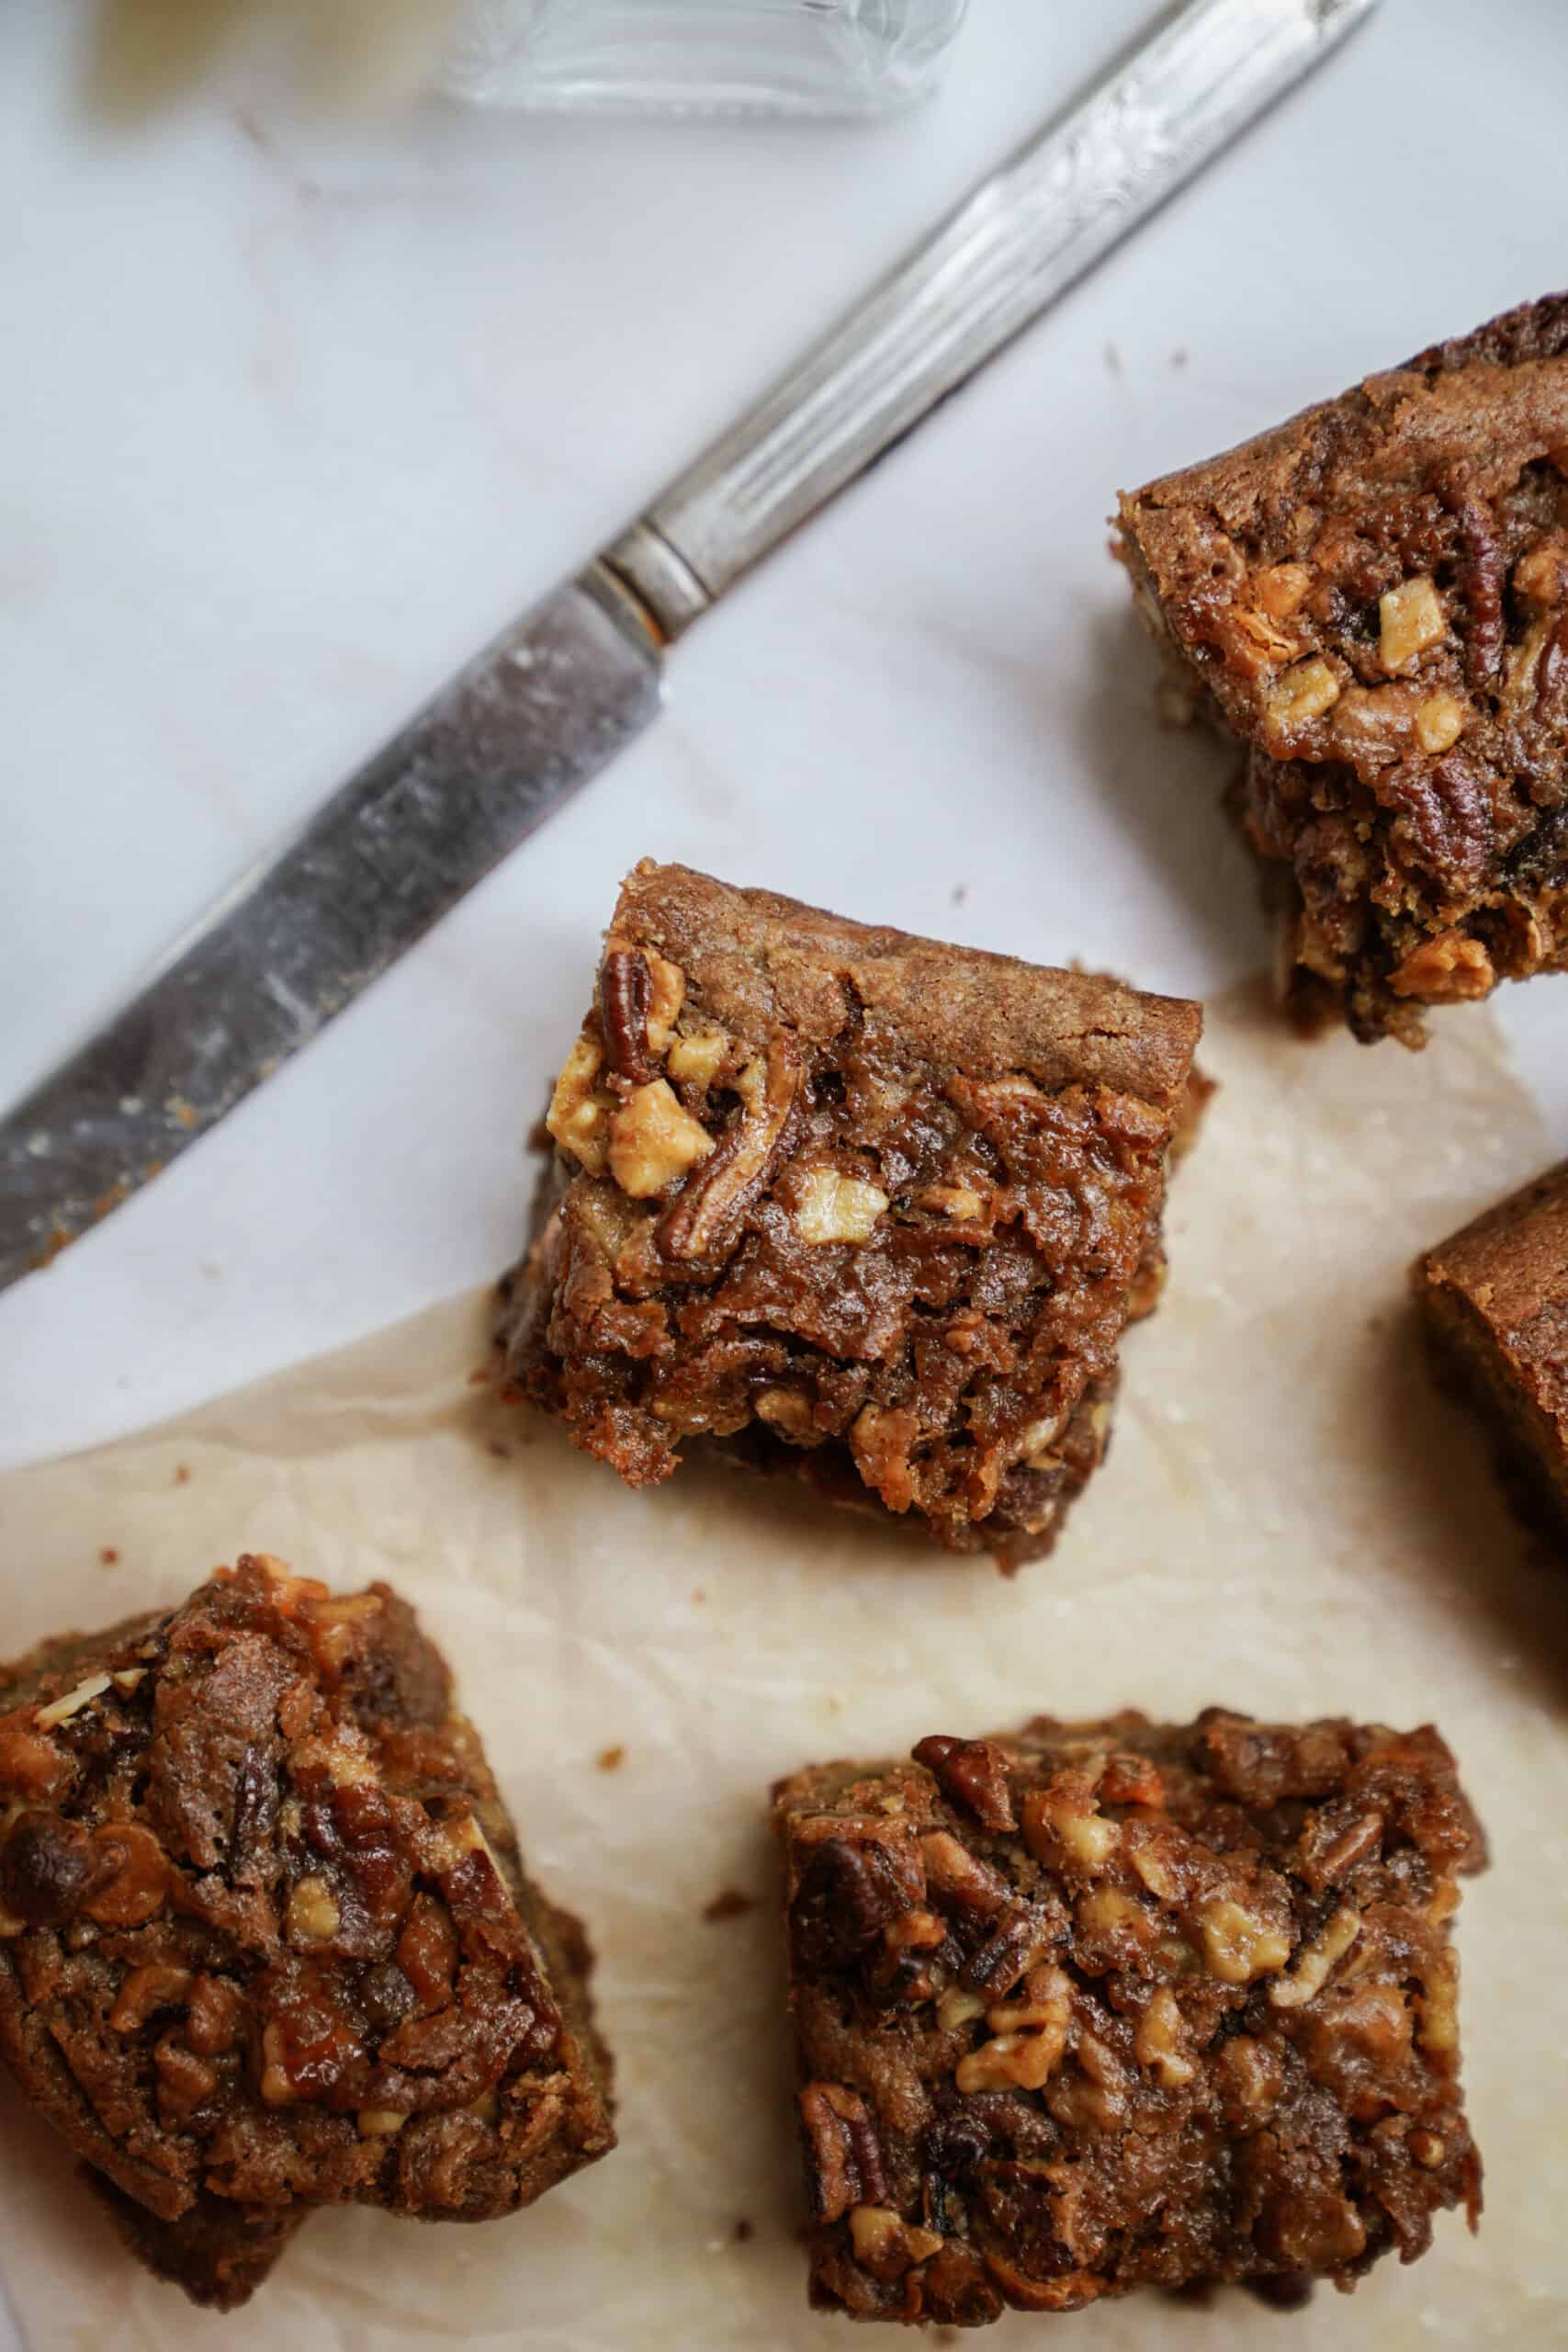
(540, 712)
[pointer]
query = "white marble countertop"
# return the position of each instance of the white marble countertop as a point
(294, 416)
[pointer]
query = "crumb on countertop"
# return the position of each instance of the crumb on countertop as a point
(728, 1904)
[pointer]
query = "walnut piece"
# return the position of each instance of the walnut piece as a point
(155, 1985)
(1297, 695)
(1063, 1823)
(1029, 2038)
(837, 1208)
(788, 1410)
(696, 1060)
(1310, 1971)
(1237, 1944)
(653, 1140)
(887, 2244)
(1439, 722)
(313, 1914)
(1157, 2044)
(1446, 969)
(1411, 618)
(1281, 590)
(1541, 576)
(580, 1106)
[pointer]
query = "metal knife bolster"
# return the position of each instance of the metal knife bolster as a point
(1074, 192)
(519, 728)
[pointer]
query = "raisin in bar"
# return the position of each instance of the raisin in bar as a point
(266, 1939)
(848, 1205)
(1113, 2004)
(1493, 1299)
(1374, 601)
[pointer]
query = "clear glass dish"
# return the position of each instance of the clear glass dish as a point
(793, 57)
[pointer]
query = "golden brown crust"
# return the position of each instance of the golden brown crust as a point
(1494, 1302)
(756, 960)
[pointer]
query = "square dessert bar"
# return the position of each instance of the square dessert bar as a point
(1493, 1299)
(849, 1205)
(1112, 2005)
(266, 1939)
(1374, 600)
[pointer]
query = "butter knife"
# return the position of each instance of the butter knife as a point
(536, 714)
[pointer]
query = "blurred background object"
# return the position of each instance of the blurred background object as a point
(767, 56)
(145, 52)
(822, 57)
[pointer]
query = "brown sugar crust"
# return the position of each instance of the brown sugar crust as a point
(1100, 2005)
(265, 1934)
(851, 1204)
(1374, 597)
(1493, 1299)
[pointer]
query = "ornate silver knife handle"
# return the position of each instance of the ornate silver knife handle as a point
(1034, 229)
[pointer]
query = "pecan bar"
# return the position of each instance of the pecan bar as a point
(1493, 1299)
(1112, 2005)
(266, 1940)
(1374, 599)
(849, 1205)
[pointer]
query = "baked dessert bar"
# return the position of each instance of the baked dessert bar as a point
(1374, 600)
(1493, 1299)
(851, 1205)
(1112, 2005)
(266, 1939)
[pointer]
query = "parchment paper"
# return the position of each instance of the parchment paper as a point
(1290, 1521)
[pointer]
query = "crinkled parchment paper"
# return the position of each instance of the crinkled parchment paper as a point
(1289, 1522)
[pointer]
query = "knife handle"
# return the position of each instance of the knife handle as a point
(1154, 120)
